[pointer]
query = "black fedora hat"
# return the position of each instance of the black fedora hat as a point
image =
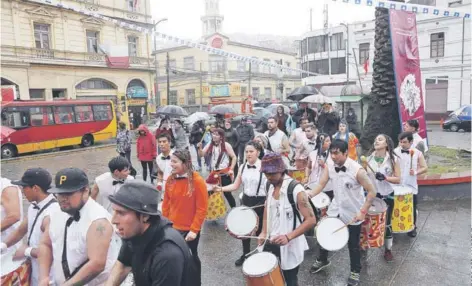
(138, 196)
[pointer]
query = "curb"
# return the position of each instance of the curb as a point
(53, 154)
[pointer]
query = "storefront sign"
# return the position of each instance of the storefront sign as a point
(136, 92)
(219, 91)
(136, 102)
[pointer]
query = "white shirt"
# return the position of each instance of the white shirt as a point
(36, 233)
(276, 140)
(251, 179)
(77, 241)
(164, 167)
(106, 188)
(280, 221)
(225, 159)
(382, 187)
(299, 136)
(317, 170)
(405, 161)
(348, 193)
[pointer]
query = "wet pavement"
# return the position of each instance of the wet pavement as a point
(455, 140)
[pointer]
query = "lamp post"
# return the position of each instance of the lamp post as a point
(156, 63)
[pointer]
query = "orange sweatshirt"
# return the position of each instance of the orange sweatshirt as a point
(184, 211)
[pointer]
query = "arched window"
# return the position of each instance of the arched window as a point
(96, 83)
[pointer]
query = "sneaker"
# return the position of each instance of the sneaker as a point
(388, 255)
(353, 279)
(319, 265)
(240, 260)
(412, 233)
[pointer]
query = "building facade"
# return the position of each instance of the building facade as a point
(50, 53)
(445, 57)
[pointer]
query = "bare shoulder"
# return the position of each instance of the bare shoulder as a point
(101, 228)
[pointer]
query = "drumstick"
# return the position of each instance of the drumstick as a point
(253, 207)
(248, 236)
(364, 160)
(344, 226)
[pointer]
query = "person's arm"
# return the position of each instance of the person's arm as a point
(118, 274)
(306, 211)
(11, 204)
(201, 152)
(263, 234)
(292, 139)
(232, 155)
(45, 255)
(201, 197)
(423, 167)
(285, 145)
(99, 237)
(167, 267)
(395, 179)
(251, 132)
(234, 186)
(18, 234)
(308, 170)
(321, 184)
(154, 147)
(165, 202)
(94, 192)
(366, 183)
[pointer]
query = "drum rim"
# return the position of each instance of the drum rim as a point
(261, 275)
(343, 230)
(322, 194)
(240, 207)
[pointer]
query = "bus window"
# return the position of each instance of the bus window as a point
(102, 112)
(63, 114)
(41, 116)
(83, 113)
(15, 117)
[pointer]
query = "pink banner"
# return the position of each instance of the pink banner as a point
(406, 61)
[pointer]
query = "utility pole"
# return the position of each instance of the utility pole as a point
(201, 88)
(249, 81)
(168, 79)
(281, 81)
(311, 19)
(462, 61)
(347, 54)
(156, 63)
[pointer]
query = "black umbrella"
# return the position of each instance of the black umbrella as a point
(172, 111)
(222, 109)
(301, 92)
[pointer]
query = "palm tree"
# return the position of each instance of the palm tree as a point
(382, 113)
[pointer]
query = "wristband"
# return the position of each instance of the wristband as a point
(28, 251)
(363, 211)
(288, 239)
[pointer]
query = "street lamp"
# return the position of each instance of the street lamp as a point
(156, 64)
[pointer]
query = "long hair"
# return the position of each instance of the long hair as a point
(184, 156)
(220, 132)
(390, 149)
(319, 142)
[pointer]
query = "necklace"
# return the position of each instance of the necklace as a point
(379, 160)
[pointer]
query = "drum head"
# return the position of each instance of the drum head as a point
(7, 262)
(259, 264)
(241, 221)
(329, 240)
(321, 200)
(378, 206)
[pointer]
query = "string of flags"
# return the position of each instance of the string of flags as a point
(418, 9)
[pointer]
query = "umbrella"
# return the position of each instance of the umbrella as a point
(273, 108)
(301, 92)
(172, 111)
(222, 109)
(194, 117)
(317, 98)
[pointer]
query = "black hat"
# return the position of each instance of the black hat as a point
(69, 180)
(138, 196)
(35, 176)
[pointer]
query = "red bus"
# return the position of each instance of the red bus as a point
(29, 126)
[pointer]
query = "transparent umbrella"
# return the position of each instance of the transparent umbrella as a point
(172, 111)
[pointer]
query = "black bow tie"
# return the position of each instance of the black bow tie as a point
(180, 177)
(118, 182)
(406, 151)
(311, 143)
(251, 167)
(166, 158)
(343, 168)
(35, 206)
(75, 217)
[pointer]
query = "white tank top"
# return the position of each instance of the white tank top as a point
(77, 243)
(5, 183)
(382, 187)
(405, 161)
(317, 170)
(106, 188)
(276, 140)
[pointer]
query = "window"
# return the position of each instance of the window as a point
(423, 2)
(102, 112)
(217, 64)
(42, 36)
(92, 41)
(36, 94)
(266, 69)
(173, 97)
(83, 113)
(319, 66)
(255, 93)
(338, 65)
(172, 65)
(337, 42)
(268, 93)
(131, 6)
(15, 117)
(439, 80)
(455, 3)
(255, 66)
(133, 46)
(303, 50)
(363, 52)
(243, 90)
(189, 63)
(311, 45)
(190, 95)
(41, 116)
(63, 114)
(95, 83)
(59, 93)
(321, 44)
(437, 45)
(241, 66)
(288, 91)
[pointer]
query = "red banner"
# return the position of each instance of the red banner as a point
(406, 62)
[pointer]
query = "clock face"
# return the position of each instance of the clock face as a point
(217, 43)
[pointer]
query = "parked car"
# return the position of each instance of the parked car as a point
(459, 119)
(258, 119)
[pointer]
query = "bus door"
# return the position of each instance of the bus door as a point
(41, 132)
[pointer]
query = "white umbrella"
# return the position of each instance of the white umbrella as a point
(273, 108)
(194, 117)
(317, 98)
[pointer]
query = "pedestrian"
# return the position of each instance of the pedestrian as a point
(110, 182)
(186, 203)
(34, 184)
(278, 141)
(291, 123)
(282, 119)
(152, 250)
(164, 127)
(79, 243)
(163, 166)
(308, 144)
(351, 139)
(245, 133)
(264, 142)
(196, 136)
(147, 151)
(351, 119)
(419, 143)
(231, 137)
(412, 164)
(123, 141)
(287, 216)
(181, 141)
(306, 112)
(298, 136)
(349, 181)
(328, 119)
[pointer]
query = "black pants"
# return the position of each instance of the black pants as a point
(193, 245)
(199, 159)
(250, 202)
(291, 275)
(127, 155)
(388, 223)
(225, 181)
(353, 246)
(415, 204)
(146, 165)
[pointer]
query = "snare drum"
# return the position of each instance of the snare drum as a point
(16, 272)
(263, 269)
(216, 206)
(326, 237)
(402, 215)
(321, 203)
(373, 227)
(241, 221)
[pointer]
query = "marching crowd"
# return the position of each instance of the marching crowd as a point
(74, 234)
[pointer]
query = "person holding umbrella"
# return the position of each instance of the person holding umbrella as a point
(179, 135)
(328, 120)
(196, 135)
(164, 127)
(306, 112)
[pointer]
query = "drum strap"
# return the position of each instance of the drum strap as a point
(37, 216)
(64, 262)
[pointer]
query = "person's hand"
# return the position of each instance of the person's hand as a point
(3, 247)
(305, 180)
(379, 176)
(280, 239)
(199, 145)
(360, 216)
(230, 172)
(20, 253)
(412, 172)
(321, 162)
(262, 238)
(190, 236)
(217, 189)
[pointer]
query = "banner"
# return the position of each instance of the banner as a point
(406, 61)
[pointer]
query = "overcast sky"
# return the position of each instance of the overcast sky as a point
(276, 17)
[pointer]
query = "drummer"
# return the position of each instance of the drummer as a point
(349, 203)
(384, 162)
(34, 184)
(282, 231)
(253, 183)
(317, 162)
(164, 168)
(307, 144)
(412, 164)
